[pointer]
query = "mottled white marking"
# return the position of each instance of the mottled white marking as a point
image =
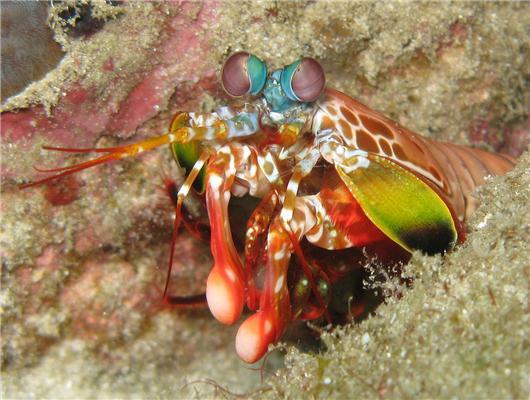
(360, 162)
(225, 112)
(215, 182)
(315, 234)
(320, 232)
(230, 274)
(201, 119)
(334, 152)
(279, 255)
(245, 152)
(275, 116)
(295, 226)
(279, 284)
(231, 169)
(286, 215)
(284, 154)
(267, 327)
(274, 176)
(292, 186)
(252, 170)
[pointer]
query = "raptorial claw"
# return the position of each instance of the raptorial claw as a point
(225, 294)
(225, 289)
(254, 336)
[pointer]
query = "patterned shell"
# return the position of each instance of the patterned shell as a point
(455, 170)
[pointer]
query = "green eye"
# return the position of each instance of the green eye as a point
(243, 73)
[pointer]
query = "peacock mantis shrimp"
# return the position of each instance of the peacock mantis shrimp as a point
(328, 170)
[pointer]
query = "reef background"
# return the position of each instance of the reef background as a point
(83, 261)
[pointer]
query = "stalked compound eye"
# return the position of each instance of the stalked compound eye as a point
(243, 73)
(303, 80)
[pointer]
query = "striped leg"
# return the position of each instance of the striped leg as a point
(181, 195)
(293, 223)
(277, 306)
(255, 244)
(199, 229)
(268, 324)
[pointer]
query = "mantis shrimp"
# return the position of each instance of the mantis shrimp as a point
(328, 171)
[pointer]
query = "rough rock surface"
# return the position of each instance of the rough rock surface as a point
(83, 261)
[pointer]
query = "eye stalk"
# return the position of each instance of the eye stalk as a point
(243, 73)
(303, 80)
